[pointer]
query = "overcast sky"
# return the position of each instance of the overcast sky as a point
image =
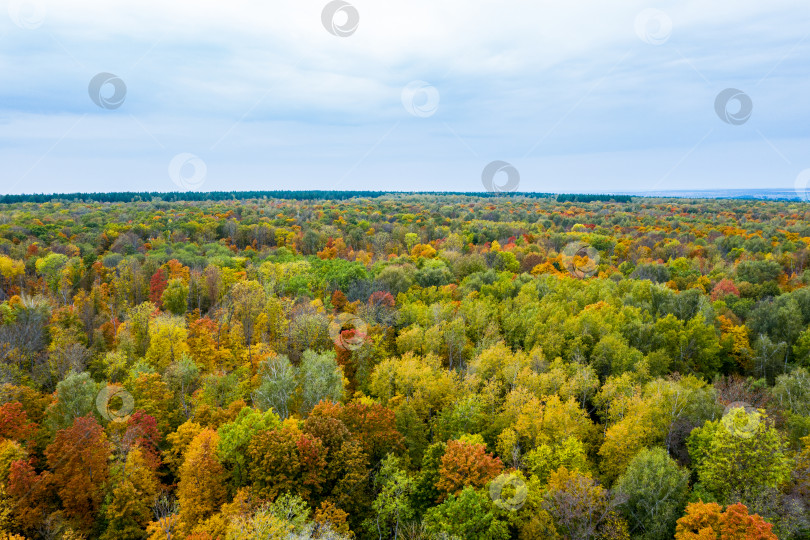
(418, 95)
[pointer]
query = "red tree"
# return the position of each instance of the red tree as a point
(156, 287)
(707, 521)
(14, 422)
(373, 425)
(29, 494)
(286, 460)
(338, 300)
(78, 457)
(723, 288)
(466, 464)
(142, 432)
(381, 298)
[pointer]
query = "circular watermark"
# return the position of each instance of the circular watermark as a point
(338, 329)
(442, 535)
(420, 99)
(493, 169)
(653, 26)
(519, 492)
(99, 91)
(741, 419)
(729, 116)
(580, 259)
(340, 18)
(187, 171)
(107, 403)
(27, 14)
(801, 184)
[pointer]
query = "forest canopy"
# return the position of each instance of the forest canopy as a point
(407, 366)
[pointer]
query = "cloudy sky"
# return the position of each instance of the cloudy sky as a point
(402, 95)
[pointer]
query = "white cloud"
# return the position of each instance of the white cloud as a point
(264, 85)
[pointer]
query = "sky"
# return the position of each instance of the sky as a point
(580, 96)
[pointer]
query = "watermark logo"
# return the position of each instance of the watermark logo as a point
(114, 403)
(580, 259)
(499, 168)
(187, 171)
(653, 26)
(27, 14)
(420, 99)
(348, 331)
(340, 18)
(508, 491)
(800, 186)
(99, 91)
(741, 419)
(726, 112)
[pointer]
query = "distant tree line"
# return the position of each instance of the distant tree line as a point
(176, 196)
(574, 197)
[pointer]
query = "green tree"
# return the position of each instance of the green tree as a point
(392, 506)
(51, 267)
(320, 378)
(138, 321)
(277, 387)
(770, 358)
(693, 345)
(425, 491)
(181, 378)
(570, 453)
(469, 515)
(655, 489)
(175, 297)
(613, 356)
(75, 397)
(396, 279)
(792, 394)
(413, 430)
(741, 452)
(235, 437)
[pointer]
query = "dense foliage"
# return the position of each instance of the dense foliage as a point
(405, 366)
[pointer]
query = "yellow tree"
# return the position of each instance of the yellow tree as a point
(167, 342)
(178, 443)
(203, 480)
(623, 441)
(130, 506)
(10, 270)
(420, 380)
(151, 395)
(202, 345)
(248, 299)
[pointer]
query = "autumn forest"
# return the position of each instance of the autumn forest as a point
(405, 367)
